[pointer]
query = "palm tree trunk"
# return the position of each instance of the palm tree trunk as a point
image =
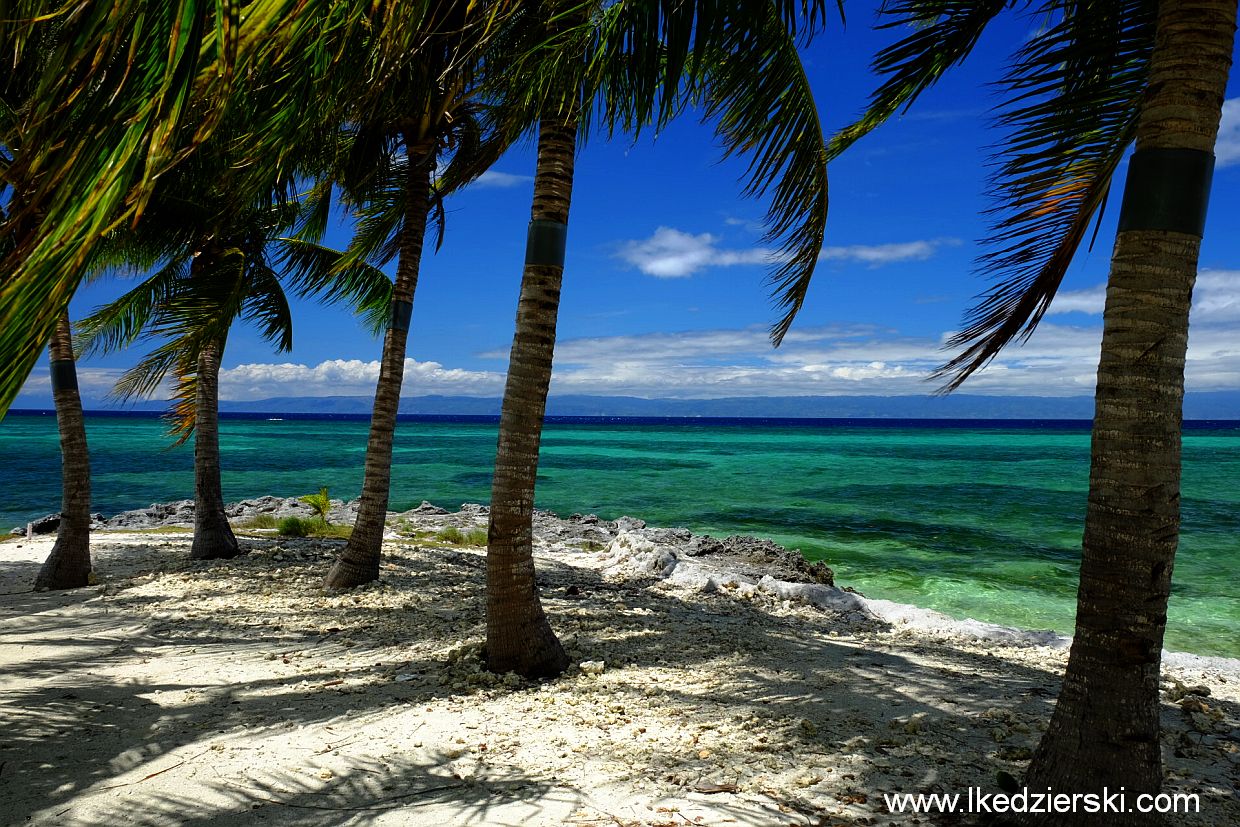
(1104, 731)
(519, 638)
(213, 536)
(359, 562)
(68, 566)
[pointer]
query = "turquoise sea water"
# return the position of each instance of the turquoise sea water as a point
(974, 519)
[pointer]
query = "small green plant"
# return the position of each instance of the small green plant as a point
(260, 521)
(295, 527)
(320, 502)
(453, 535)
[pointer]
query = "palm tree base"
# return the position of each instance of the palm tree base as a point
(538, 656)
(214, 540)
(68, 565)
(347, 574)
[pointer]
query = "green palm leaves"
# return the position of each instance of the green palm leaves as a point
(1070, 104)
(138, 86)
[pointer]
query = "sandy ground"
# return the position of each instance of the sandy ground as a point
(239, 692)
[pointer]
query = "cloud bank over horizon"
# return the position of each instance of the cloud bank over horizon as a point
(1060, 360)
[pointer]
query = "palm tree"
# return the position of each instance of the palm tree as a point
(744, 69)
(216, 269)
(68, 565)
(154, 80)
(403, 128)
(213, 276)
(1100, 77)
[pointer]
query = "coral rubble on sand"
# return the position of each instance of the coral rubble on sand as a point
(714, 680)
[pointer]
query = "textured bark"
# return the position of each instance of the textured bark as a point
(213, 536)
(519, 638)
(68, 566)
(1104, 731)
(359, 562)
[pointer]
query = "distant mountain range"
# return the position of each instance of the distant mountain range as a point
(1215, 405)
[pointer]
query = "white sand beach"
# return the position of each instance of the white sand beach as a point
(239, 692)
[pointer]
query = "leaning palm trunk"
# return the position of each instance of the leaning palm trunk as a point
(1104, 731)
(359, 562)
(213, 536)
(519, 638)
(68, 566)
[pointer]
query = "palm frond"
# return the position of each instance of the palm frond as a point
(145, 377)
(944, 33)
(757, 91)
(137, 88)
(1073, 98)
(267, 306)
(182, 414)
(121, 322)
(315, 271)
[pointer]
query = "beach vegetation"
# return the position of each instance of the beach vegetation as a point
(295, 527)
(320, 502)
(453, 535)
(311, 527)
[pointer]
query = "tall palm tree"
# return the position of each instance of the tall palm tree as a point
(359, 561)
(404, 127)
(626, 61)
(68, 565)
(1087, 86)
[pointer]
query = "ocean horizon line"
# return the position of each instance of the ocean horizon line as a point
(997, 422)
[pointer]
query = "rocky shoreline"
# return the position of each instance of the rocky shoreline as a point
(741, 565)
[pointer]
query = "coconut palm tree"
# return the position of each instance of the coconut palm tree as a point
(1097, 78)
(154, 80)
(402, 128)
(630, 65)
(216, 269)
(214, 277)
(68, 565)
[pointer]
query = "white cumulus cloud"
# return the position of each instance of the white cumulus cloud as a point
(876, 255)
(501, 180)
(670, 253)
(351, 377)
(1079, 301)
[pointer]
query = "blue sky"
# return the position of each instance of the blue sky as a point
(664, 291)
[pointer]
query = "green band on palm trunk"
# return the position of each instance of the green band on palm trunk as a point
(402, 315)
(545, 242)
(1167, 189)
(64, 375)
